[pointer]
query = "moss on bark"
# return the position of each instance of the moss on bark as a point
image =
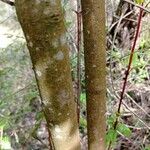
(43, 26)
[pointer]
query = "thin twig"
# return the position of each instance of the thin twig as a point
(44, 144)
(6, 19)
(128, 19)
(13, 94)
(136, 115)
(113, 44)
(123, 17)
(130, 60)
(79, 21)
(137, 104)
(127, 107)
(139, 6)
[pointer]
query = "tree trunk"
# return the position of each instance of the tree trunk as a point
(43, 24)
(95, 69)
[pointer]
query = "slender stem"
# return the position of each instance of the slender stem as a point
(139, 6)
(79, 21)
(127, 71)
(130, 59)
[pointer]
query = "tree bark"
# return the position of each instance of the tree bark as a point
(95, 70)
(43, 24)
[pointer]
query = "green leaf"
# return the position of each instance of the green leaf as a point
(135, 60)
(4, 122)
(68, 23)
(83, 98)
(39, 116)
(139, 1)
(123, 129)
(147, 148)
(35, 129)
(83, 122)
(111, 120)
(111, 136)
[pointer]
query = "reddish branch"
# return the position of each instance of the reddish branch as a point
(128, 71)
(79, 22)
(139, 6)
(130, 59)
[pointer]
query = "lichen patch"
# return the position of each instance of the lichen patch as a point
(46, 11)
(53, 2)
(30, 44)
(57, 129)
(55, 43)
(37, 49)
(63, 39)
(64, 94)
(59, 56)
(27, 37)
(39, 74)
(38, 2)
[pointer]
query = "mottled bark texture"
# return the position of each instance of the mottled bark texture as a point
(43, 24)
(95, 69)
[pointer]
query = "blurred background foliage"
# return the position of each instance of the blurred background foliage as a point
(19, 101)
